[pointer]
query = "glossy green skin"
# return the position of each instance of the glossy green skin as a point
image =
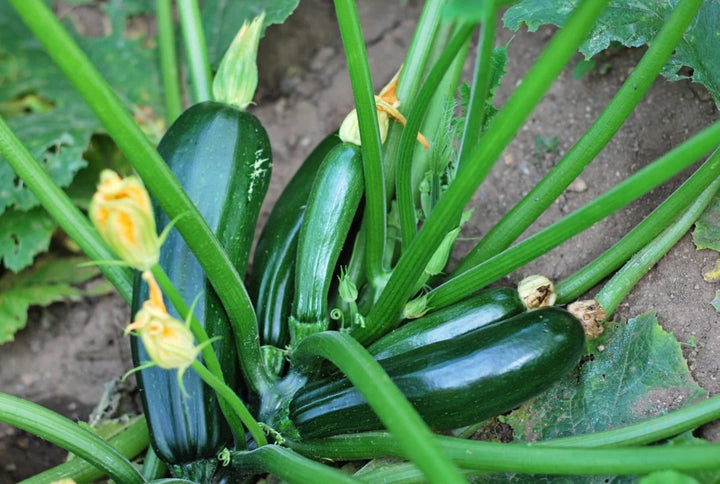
(457, 382)
(214, 151)
(451, 322)
(331, 207)
(273, 269)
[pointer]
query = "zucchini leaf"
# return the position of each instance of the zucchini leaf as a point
(634, 23)
(640, 373)
(50, 280)
(52, 120)
(707, 227)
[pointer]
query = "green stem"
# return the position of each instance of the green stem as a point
(196, 50)
(647, 432)
(521, 458)
(481, 82)
(168, 60)
(625, 279)
(153, 467)
(61, 208)
(363, 93)
(418, 53)
(584, 279)
(209, 356)
(287, 465)
(130, 443)
(158, 179)
(226, 393)
(403, 188)
(641, 433)
(386, 400)
(617, 197)
(385, 314)
(65, 433)
(592, 142)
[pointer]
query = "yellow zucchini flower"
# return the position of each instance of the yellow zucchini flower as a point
(121, 211)
(169, 342)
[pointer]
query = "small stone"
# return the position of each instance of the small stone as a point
(601, 348)
(578, 186)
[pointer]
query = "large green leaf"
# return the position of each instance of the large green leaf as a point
(640, 373)
(634, 23)
(48, 281)
(223, 18)
(53, 121)
(23, 235)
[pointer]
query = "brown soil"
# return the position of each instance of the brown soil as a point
(67, 352)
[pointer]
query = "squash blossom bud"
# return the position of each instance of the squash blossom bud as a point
(237, 77)
(169, 342)
(122, 213)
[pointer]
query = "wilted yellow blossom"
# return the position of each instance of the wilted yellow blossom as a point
(122, 213)
(169, 342)
(387, 104)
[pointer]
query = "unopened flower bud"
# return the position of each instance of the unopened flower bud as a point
(122, 214)
(237, 77)
(347, 289)
(416, 308)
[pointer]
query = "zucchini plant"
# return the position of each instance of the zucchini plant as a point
(239, 383)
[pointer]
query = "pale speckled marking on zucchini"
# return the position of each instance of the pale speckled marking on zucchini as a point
(258, 171)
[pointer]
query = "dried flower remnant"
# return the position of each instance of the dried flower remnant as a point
(537, 291)
(590, 314)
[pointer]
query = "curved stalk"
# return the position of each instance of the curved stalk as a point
(65, 433)
(158, 179)
(403, 188)
(634, 186)
(390, 405)
(524, 459)
(287, 465)
(590, 144)
(130, 442)
(363, 93)
(418, 53)
(481, 83)
(575, 285)
(385, 314)
(625, 279)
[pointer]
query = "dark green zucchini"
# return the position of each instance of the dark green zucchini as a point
(451, 322)
(455, 382)
(273, 269)
(331, 207)
(222, 158)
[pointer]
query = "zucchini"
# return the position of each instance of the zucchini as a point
(273, 269)
(451, 322)
(456, 382)
(221, 156)
(332, 203)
